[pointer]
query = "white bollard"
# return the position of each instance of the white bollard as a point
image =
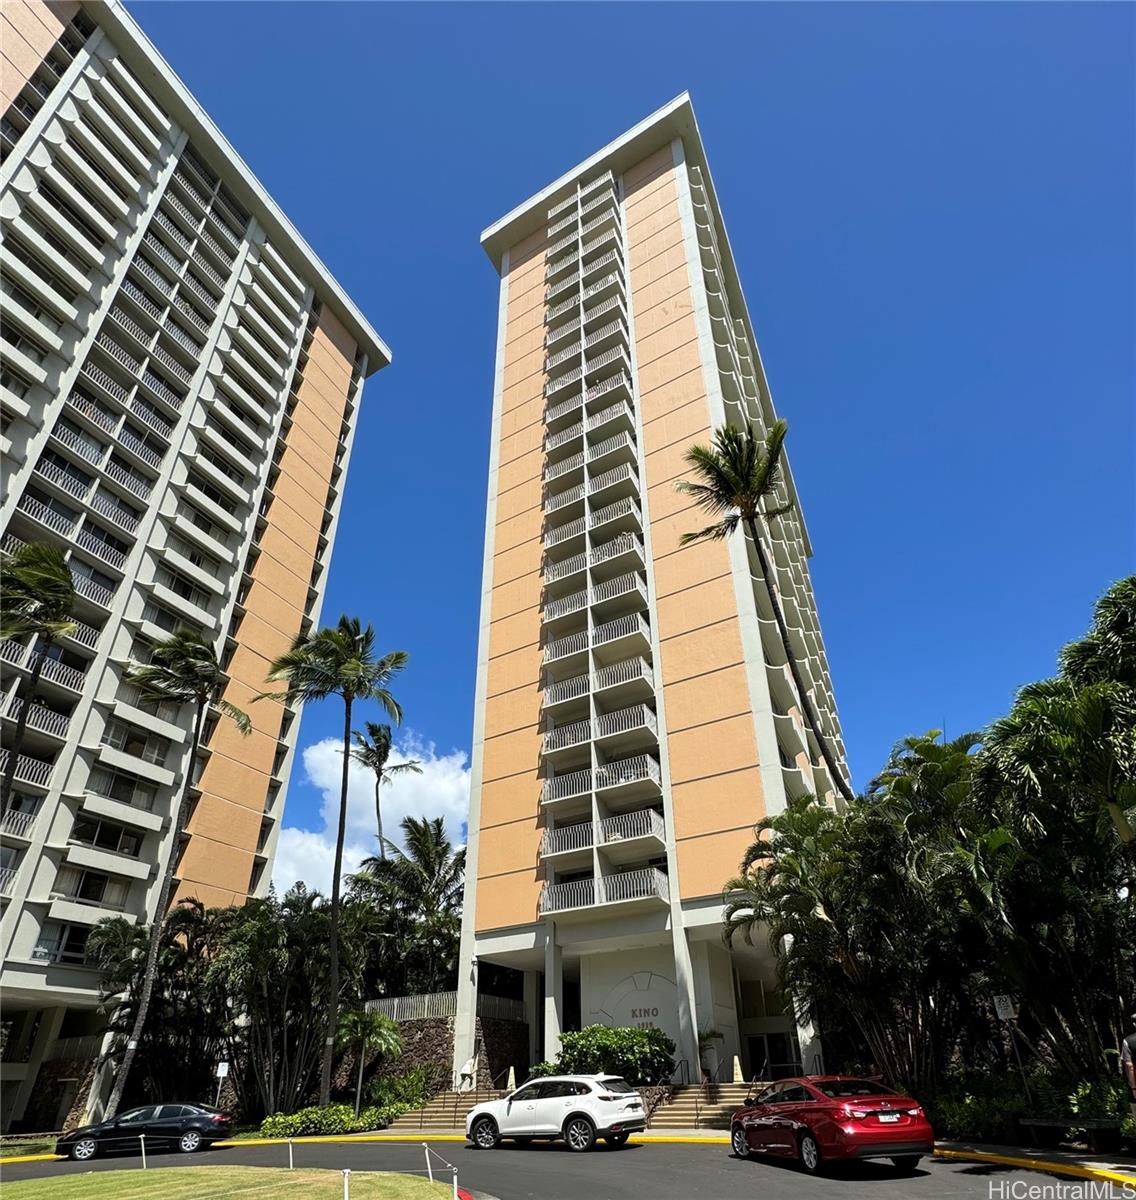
(455, 1183)
(738, 1077)
(142, 1143)
(291, 1165)
(346, 1183)
(512, 1084)
(429, 1168)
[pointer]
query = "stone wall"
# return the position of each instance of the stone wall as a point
(504, 1044)
(51, 1082)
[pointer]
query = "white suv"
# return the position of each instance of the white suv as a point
(577, 1108)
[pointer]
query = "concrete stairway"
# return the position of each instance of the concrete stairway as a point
(698, 1106)
(446, 1111)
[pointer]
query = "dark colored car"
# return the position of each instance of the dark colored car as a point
(189, 1127)
(829, 1118)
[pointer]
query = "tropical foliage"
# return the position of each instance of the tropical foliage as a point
(184, 669)
(373, 750)
(365, 1033)
(416, 895)
(35, 601)
(641, 1056)
(738, 480)
(339, 661)
(970, 868)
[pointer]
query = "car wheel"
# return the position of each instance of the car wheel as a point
(189, 1142)
(84, 1149)
(580, 1134)
(738, 1142)
(808, 1153)
(616, 1139)
(484, 1133)
(906, 1164)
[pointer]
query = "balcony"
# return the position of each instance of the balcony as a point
(565, 691)
(567, 839)
(624, 515)
(566, 647)
(565, 606)
(18, 824)
(101, 550)
(92, 412)
(33, 771)
(565, 737)
(647, 883)
(562, 533)
(631, 827)
(559, 500)
(634, 675)
(95, 592)
(624, 478)
(7, 880)
(555, 440)
(44, 720)
(610, 384)
(630, 778)
(555, 470)
(563, 206)
(611, 449)
(567, 567)
(627, 591)
(569, 786)
(563, 223)
(637, 723)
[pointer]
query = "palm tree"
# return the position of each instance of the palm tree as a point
(368, 1031)
(372, 749)
(183, 669)
(423, 884)
(37, 598)
(738, 475)
(337, 662)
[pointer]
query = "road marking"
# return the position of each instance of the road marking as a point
(1040, 1164)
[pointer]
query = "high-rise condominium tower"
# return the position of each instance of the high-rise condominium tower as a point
(181, 378)
(635, 715)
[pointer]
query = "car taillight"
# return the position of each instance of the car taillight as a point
(603, 1097)
(914, 1112)
(857, 1114)
(219, 1117)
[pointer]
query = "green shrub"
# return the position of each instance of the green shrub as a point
(641, 1056)
(336, 1118)
(412, 1089)
(541, 1069)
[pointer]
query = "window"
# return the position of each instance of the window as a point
(223, 502)
(105, 835)
(62, 943)
(183, 587)
(147, 746)
(123, 787)
(24, 345)
(840, 1089)
(207, 562)
(530, 1091)
(137, 1116)
(16, 384)
(221, 463)
(619, 1086)
(794, 1093)
(29, 305)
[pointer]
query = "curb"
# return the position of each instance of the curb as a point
(23, 1158)
(1076, 1170)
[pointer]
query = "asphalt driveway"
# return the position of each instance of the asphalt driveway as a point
(634, 1172)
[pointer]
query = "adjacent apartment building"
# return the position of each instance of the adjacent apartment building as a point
(180, 381)
(635, 715)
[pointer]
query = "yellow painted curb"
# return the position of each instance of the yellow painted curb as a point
(1042, 1164)
(346, 1138)
(679, 1140)
(20, 1158)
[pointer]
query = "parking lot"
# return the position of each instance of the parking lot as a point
(657, 1170)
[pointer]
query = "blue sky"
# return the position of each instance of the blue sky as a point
(931, 208)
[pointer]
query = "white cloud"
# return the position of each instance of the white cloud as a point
(442, 790)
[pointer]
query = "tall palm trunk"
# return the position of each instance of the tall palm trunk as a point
(151, 971)
(28, 690)
(379, 817)
(333, 965)
(359, 1085)
(794, 667)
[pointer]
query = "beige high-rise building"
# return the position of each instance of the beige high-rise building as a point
(635, 715)
(181, 379)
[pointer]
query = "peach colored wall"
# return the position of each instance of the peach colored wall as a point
(28, 30)
(507, 883)
(218, 860)
(715, 785)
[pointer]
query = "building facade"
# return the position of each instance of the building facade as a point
(635, 714)
(180, 384)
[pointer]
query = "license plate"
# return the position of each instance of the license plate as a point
(889, 1118)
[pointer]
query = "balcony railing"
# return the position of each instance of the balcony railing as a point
(18, 824)
(555, 440)
(627, 671)
(640, 769)
(623, 543)
(93, 591)
(645, 823)
(563, 787)
(607, 385)
(140, 487)
(627, 507)
(621, 585)
(565, 736)
(72, 485)
(90, 410)
(560, 499)
(556, 469)
(560, 533)
(46, 515)
(99, 548)
(612, 413)
(555, 411)
(43, 719)
(626, 720)
(564, 606)
(644, 883)
(611, 445)
(567, 566)
(574, 643)
(28, 770)
(108, 508)
(565, 838)
(7, 879)
(62, 674)
(624, 473)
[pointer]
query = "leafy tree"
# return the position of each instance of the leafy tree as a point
(183, 669)
(372, 749)
(737, 479)
(36, 599)
(423, 886)
(337, 662)
(641, 1056)
(361, 1031)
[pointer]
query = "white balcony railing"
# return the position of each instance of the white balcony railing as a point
(623, 543)
(559, 500)
(611, 413)
(18, 824)
(566, 689)
(626, 720)
(563, 787)
(565, 736)
(645, 823)
(44, 719)
(577, 893)
(620, 441)
(7, 879)
(627, 671)
(93, 591)
(572, 463)
(555, 440)
(564, 838)
(567, 566)
(559, 648)
(565, 606)
(29, 770)
(611, 512)
(641, 884)
(607, 385)
(640, 769)
(62, 674)
(621, 585)
(561, 533)
(625, 626)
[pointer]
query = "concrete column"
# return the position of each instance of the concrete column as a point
(687, 1047)
(533, 1014)
(46, 1036)
(812, 1052)
(465, 1016)
(553, 993)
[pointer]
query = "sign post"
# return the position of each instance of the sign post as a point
(222, 1075)
(1006, 1010)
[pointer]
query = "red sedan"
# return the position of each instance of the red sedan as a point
(829, 1118)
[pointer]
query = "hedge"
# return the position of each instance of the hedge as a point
(336, 1118)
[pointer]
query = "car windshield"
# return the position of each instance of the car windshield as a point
(840, 1089)
(614, 1084)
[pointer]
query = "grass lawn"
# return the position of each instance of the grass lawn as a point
(215, 1183)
